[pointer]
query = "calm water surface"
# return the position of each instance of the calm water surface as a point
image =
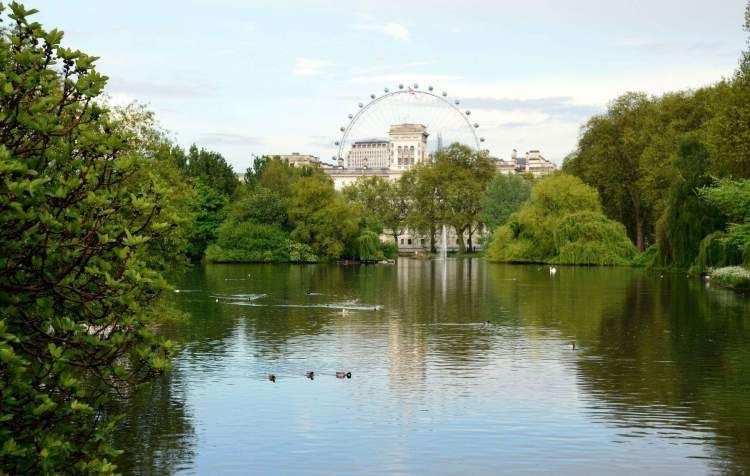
(659, 382)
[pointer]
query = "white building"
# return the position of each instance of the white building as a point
(389, 158)
(295, 159)
(408, 145)
(532, 163)
(369, 153)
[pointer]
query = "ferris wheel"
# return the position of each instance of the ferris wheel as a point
(442, 115)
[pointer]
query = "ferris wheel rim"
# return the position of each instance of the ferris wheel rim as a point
(363, 109)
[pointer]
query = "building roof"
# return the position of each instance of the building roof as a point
(374, 140)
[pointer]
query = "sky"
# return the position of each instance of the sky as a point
(280, 76)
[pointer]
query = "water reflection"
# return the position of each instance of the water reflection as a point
(658, 381)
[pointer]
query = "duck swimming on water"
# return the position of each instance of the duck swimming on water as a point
(343, 375)
(272, 378)
(310, 374)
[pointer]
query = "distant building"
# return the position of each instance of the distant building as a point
(369, 153)
(389, 158)
(295, 159)
(532, 163)
(408, 145)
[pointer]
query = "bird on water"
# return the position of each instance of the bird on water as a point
(310, 374)
(272, 378)
(343, 375)
(552, 270)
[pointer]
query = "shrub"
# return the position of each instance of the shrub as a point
(563, 223)
(248, 242)
(591, 238)
(736, 277)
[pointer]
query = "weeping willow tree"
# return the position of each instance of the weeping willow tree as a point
(688, 218)
(730, 246)
(562, 223)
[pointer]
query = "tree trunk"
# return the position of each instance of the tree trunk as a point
(640, 242)
(432, 240)
(471, 243)
(461, 244)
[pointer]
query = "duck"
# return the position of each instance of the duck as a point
(343, 375)
(272, 378)
(552, 270)
(486, 324)
(572, 346)
(310, 374)
(344, 312)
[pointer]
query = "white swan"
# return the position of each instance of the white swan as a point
(552, 270)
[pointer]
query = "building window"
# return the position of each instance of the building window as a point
(409, 240)
(402, 241)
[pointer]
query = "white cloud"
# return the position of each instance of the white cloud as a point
(393, 30)
(309, 67)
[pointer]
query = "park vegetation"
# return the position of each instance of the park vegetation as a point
(92, 212)
(674, 170)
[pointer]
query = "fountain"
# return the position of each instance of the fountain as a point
(444, 244)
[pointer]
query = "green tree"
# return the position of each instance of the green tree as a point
(260, 205)
(209, 209)
(87, 220)
(503, 196)
(385, 200)
(688, 218)
(320, 216)
(562, 223)
(462, 174)
(211, 169)
(248, 242)
(425, 210)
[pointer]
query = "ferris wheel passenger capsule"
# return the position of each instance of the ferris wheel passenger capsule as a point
(445, 93)
(337, 143)
(342, 129)
(468, 113)
(456, 102)
(401, 86)
(386, 90)
(361, 105)
(372, 96)
(349, 116)
(416, 86)
(476, 125)
(429, 88)
(481, 139)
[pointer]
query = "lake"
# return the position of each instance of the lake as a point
(658, 382)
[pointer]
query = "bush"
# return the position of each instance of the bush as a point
(647, 258)
(591, 238)
(248, 242)
(736, 277)
(368, 247)
(724, 248)
(301, 253)
(563, 223)
(390, 250)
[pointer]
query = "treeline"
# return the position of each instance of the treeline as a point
(284, 213)
(659, 163)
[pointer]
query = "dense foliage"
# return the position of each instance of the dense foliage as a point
(90, 213)
(448, 191)
(504, 195)
(562, 223)
(649, 156)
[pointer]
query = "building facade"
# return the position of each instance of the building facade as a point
(532, 163)
(369, 153)
(295, 159)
